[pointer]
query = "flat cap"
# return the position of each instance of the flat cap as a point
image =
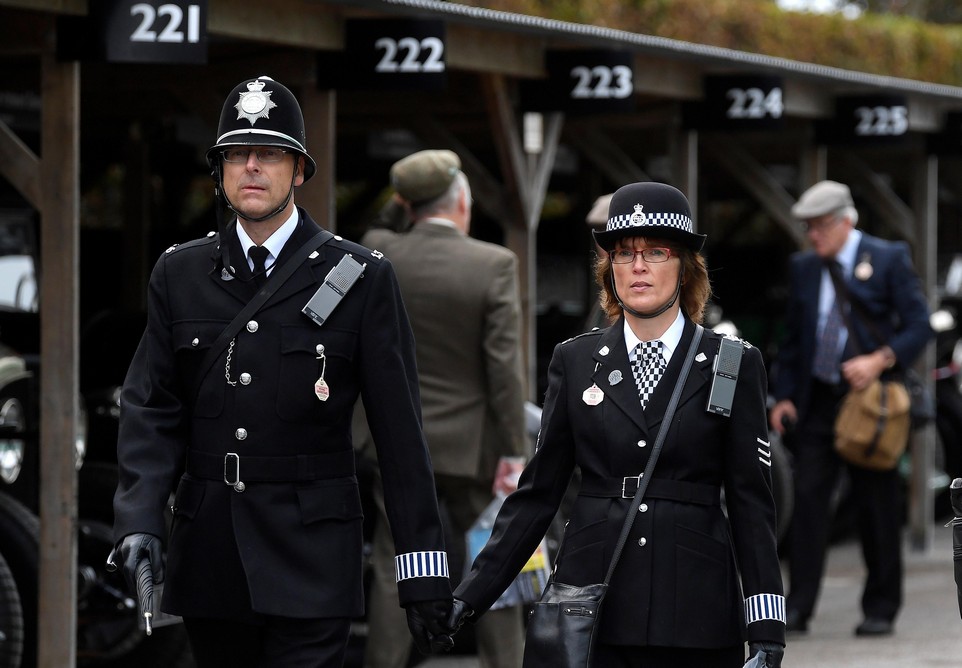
(823, 198)
(425, 175)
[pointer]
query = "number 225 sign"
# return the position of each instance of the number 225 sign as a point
(159, 32)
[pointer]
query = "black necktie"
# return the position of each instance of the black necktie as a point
(259, 257)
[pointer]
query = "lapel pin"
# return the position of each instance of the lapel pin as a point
(614, 377)
(604, 350)
(313, 255)
(700, 357)
(863, 271)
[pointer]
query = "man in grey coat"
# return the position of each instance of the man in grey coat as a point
(462, 297)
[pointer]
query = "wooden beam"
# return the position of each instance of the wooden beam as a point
(20, 166)
(507, 141)
(301, 23)
(754, 178)
(890, 207)
(59, 373)
(606, 156)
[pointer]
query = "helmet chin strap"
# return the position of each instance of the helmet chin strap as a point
(220, 195)
(657, 312)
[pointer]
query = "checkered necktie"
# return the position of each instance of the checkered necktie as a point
(647, 368)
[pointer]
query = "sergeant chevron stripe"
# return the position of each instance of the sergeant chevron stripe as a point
(421, 565)
(764, 606)
(765, 452)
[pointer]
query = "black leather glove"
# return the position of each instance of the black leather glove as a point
(773, 653)
(426, 620)
(460, 611)
(131, 551)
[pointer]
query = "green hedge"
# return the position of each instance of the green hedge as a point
(875, 43)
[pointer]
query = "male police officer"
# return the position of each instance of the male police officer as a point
(264, 553)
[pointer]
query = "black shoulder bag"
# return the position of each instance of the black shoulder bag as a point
(563, 624)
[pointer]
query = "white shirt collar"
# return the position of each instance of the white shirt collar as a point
(846, 256)
(444, 222)
(274, 244)
(669, 340)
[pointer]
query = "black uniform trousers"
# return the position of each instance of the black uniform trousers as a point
(272, 642)
(877, 496)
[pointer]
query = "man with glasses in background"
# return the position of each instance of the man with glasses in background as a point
(259, 340)
(817, 363)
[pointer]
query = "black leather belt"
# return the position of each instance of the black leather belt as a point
(235, 469)
(658, 488)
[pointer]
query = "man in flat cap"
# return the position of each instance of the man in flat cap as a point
(833, 344)
(463, 300)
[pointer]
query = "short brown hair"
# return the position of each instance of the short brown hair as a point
(695, 286)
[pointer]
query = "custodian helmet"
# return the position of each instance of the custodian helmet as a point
(261, 112)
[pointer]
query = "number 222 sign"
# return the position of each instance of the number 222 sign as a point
(159, 32)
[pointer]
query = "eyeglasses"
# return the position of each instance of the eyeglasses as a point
(626, 255)
(822, 224)
(264, 154)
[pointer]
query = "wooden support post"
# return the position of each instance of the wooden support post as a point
(59, 385)
(922, 443)
(320, 120)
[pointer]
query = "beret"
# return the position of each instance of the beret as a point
(823, 198)
(425, 175)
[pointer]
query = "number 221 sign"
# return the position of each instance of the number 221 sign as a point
(160, 32)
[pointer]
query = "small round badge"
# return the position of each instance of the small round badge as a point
(863, 271)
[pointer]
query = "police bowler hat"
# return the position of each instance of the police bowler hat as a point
(823, 198)
(649, 209)
(262, 112)
(425, 175)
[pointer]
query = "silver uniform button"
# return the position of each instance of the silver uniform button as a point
(642, 443)
(240, 434)
(642, 541)
(320, 348)
(643, 508)
(252, 326)
(245, 379)
(195, 342)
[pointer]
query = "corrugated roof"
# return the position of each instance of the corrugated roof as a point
(662, 46)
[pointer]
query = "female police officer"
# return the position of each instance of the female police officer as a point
(675, 597)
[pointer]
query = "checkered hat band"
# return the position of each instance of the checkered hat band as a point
(677, 220)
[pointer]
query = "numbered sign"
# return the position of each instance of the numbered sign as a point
(743, 102)
(869, 119)
(590, 81)
(155, 32)
(386, 54)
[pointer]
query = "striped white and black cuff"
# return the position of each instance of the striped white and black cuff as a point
(421, 565)
(765, 606)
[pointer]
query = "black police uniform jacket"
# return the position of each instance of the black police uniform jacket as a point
(290, 546)
(688, 577)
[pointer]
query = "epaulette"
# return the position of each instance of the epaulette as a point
(361, 253)
(732, 337)
(595, 331)
(203, 241)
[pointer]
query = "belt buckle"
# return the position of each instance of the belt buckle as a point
(624, 485)
(238, 484)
